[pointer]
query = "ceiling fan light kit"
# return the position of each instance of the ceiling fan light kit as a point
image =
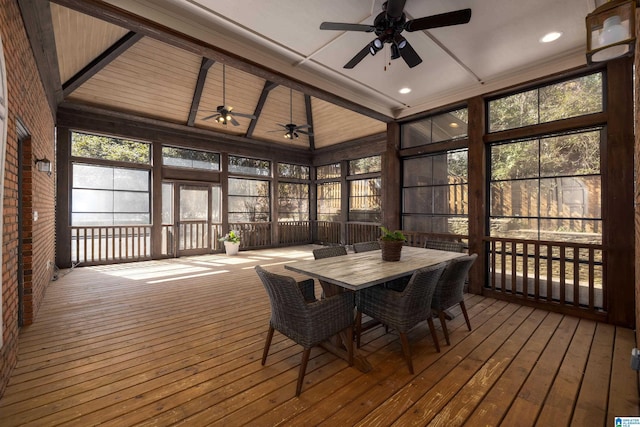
(611, 30)
(223, 114)
(292, 130)
(390, 23)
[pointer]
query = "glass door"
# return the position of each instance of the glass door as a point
(194, 219)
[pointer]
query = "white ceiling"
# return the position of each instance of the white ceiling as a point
(499, 47)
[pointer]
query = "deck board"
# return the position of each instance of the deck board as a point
(179, 342)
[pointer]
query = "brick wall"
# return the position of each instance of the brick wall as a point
(27, 104)
(637, 167)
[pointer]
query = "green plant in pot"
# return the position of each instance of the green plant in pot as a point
(391, 244)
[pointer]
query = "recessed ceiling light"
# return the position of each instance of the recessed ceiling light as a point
(550, 37)
(405, 90)
(453, 125)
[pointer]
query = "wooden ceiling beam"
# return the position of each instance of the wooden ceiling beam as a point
(197, 93)
(95, 119)
(268, 86)
(117, 16)
(36, 16)
(101, 61)
(307, 105)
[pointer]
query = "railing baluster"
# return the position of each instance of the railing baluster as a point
(493, 264)
(549, 272)
(84, 243)
(563, 272)
(525, 270)
(576, 277)
(591, 279)
(514, 268)
(503, 266)
(536, 272)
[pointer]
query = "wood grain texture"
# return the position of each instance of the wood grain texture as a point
(361, 270)
(179, 341)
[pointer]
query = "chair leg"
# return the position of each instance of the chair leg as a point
(443, 322)
(432, 328)
(358, 323)
(303, 369)
(406, 351)
(464, 312)
(267, 344)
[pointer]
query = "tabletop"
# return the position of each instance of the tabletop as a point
(360, 270)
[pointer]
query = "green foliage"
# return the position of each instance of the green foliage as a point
(365, 165)
(388, 235)
(109, 148)
(230, 237)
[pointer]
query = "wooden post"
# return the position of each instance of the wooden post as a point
(392, 179)
(618, 195)
(477, 193)
(63, 202)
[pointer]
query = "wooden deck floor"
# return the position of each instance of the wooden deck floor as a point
(179, 342)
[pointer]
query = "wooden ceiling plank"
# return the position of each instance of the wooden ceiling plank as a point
(263, 98)
(197, 94)
(307, 106)
(92, 68)
(38, 23)
(113, 14)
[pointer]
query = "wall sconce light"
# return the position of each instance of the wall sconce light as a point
(44, 165)
(611, 30)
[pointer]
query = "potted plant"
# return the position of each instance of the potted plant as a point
(231, 243)
(391, 244)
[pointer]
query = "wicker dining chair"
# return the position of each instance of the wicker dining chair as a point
(366, 246)
(308, 324)
(401, 310)
(329, 289)
(450, 290)
(329, 251)
(444, 245)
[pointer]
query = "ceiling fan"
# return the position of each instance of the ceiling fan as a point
(292, 130)
(389, 25)
(223, 114)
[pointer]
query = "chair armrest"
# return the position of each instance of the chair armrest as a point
(307, 287)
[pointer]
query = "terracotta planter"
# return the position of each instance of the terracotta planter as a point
(391, 249)
(231, 248)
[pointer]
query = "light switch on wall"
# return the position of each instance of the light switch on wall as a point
(35, 215)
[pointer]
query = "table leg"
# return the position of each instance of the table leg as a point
(338, 348)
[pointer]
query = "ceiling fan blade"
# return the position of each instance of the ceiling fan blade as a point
(211, 116)
(303, 126)
(234, 121)
(304, 132)
(248, 116)
(359, 57)
(395, 8)
(410, 56)
(457, 17)
(343, 26)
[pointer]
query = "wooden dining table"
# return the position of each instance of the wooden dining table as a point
(356, 271)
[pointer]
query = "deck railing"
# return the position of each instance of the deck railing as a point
(362, 232)
(294, 232)
(563, 274)
(418, 238)
(328, 232)
(110, 244)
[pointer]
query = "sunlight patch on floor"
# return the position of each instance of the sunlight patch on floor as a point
(171, 279)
